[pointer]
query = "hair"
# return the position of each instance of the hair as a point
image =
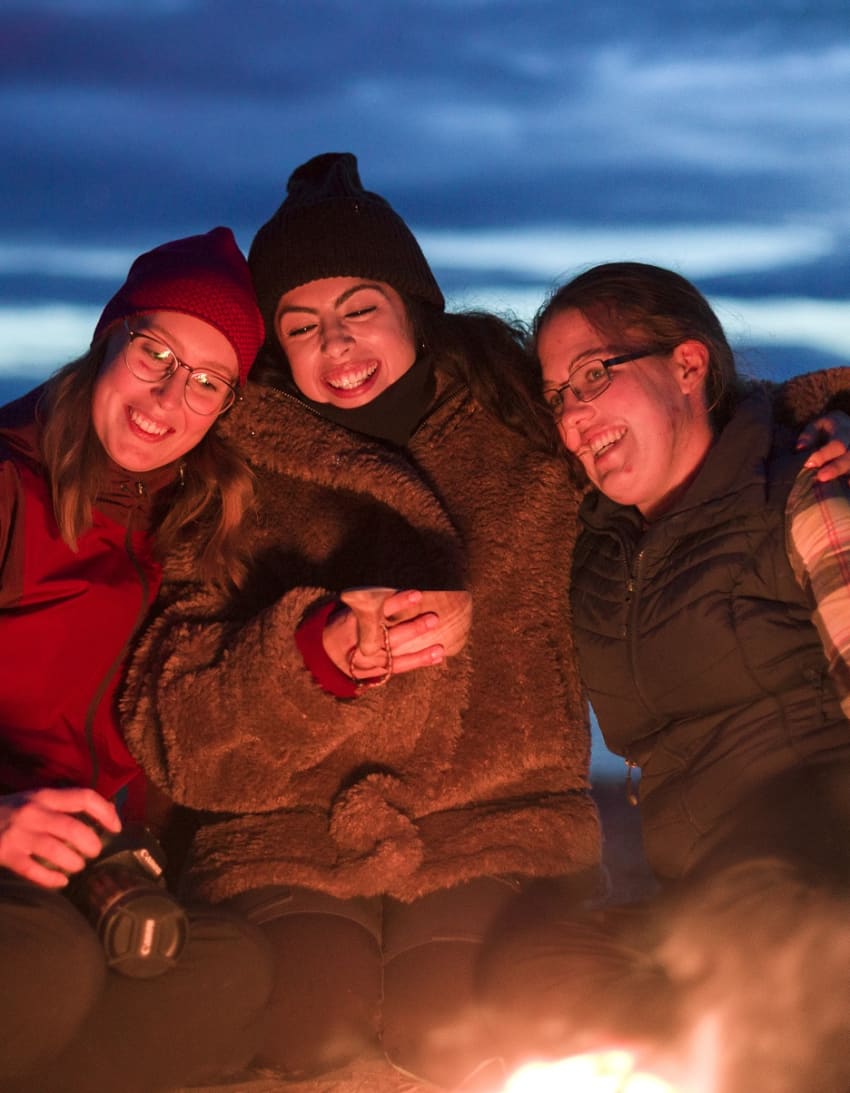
(636, 305)
(490, 354)
(205, 515)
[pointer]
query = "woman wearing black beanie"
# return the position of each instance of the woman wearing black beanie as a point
(377, 831)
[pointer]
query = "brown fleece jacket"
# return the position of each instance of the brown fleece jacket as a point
(476, 767)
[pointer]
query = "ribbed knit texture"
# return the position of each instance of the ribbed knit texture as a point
(202, 275)
(329, 226)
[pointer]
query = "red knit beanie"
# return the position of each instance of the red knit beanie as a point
(203, 275)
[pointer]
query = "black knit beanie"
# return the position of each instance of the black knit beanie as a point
(329, 226)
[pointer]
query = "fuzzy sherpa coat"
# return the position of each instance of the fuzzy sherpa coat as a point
(476, 767)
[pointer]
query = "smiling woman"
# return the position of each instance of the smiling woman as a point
(102, 471)
(391, 716)
(709, 590)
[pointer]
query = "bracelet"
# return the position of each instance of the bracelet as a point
(374, 681)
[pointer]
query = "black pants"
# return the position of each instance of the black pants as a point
(363, 976)
(70, 1025)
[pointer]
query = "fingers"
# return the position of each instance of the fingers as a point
(412, 636)
(402, 606)
(87, 801)
(429, 657)
(42, 839)
(832, 435)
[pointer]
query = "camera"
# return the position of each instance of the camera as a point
(122, 892)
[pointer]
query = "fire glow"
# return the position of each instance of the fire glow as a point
(600, 1072)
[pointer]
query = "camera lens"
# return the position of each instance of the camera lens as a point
(142, 929)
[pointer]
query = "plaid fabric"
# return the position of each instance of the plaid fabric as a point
(818, 541)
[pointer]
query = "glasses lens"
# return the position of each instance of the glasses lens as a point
(590, 380)
(208, 393)
(148, 359)
(555, 402)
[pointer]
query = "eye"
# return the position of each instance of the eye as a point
(555, 401)
(361, 312)
(299, 331)
(593, 372)
(152, 358)
(209, 381)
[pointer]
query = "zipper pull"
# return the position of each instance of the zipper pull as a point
(631, 788)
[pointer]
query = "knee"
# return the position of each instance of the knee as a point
(325, 1005)
(54, 972)
(230, 958)
(434, 1027)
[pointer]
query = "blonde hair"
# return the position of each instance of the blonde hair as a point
(205, 516)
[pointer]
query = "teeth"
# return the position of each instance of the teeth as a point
(146, 425)
(604, 441)
(353, 379)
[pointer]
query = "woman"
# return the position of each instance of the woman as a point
(103, 471)
(711, 630)
(376, 830)
(708, 596)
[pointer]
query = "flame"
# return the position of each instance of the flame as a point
(600, 1072)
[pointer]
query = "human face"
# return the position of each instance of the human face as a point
(641, 440)
(346, 339)
(142, 425)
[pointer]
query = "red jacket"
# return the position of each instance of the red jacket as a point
(66, 619)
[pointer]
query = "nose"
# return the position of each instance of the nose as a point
(336, 340)
(169, 392)
(574, 415)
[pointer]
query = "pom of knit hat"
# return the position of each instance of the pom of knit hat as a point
(202, 275)
(330, 226)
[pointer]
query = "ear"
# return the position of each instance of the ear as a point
(690, 365)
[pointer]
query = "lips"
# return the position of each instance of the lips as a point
(149, 428)
(352, 378)
(597, 443)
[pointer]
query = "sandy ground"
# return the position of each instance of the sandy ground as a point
(630, 880)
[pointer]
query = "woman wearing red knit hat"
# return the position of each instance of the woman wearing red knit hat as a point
(103, 470)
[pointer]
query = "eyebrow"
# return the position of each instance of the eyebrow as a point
(168, 341)
(588, 355)
(341, 299)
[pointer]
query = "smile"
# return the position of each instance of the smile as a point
(146, 425)
(351, 378)
(601, 442)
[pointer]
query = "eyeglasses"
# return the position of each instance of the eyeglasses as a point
(589, 380)
(152, 361)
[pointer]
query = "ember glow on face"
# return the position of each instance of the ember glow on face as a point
(600, 1072)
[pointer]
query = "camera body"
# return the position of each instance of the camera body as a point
(122, 892)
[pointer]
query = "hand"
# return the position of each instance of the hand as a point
(829, 436)
(39, 826)
(449, 615)
(386, 632)
(392, 634)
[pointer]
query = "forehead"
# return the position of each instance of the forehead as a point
(194, 340)
(334, 292)
(565, 340)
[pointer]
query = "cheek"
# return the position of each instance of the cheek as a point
(402, 351)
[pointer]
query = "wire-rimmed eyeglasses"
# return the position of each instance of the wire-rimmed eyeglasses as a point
(151, 360)
(589, 380)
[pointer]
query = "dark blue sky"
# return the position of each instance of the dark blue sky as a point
(523, 139)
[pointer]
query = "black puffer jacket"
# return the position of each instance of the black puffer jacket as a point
(696, 642)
